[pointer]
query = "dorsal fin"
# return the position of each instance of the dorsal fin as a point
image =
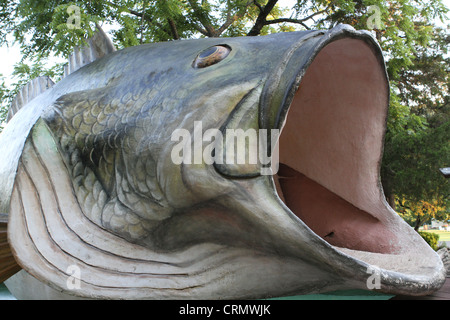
(98, 46)
(30, 91)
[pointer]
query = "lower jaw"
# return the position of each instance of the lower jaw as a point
(331, 217)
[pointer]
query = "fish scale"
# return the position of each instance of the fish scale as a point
(98, 127)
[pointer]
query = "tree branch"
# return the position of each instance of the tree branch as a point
(231, 19)
(261, 19)
(173, 28)
(149, 20)
(298, 21)
(255, 2)
(173, 31)
(200, 29)
(281, 20)
(204, 20)
(264, 22)
(142, 23)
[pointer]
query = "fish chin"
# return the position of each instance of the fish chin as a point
(330, 149)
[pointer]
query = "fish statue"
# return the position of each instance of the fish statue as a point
(121, 181)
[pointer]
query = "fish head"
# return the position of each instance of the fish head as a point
(225, 168)
(319, 199)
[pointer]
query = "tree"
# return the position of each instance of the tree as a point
(57, 26)
(3, 97)
(54, 28)
(415, 52)
(417, 142)
(417, 212)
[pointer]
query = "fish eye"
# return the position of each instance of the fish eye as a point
(211, 56)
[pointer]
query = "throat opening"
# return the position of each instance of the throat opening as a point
(330, 148)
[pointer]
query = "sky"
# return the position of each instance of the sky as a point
(9, 56)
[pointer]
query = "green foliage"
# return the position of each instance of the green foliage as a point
(71, 26)
(3, 97)
(54, 28)
(413, 154)
(24, 73)
(44, 27)
(430, 238)
(417, 143)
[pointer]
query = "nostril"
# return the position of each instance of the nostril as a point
(331, 234)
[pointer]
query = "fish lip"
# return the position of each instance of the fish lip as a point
(274, 107)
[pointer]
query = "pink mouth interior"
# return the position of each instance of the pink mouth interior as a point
(331, 145)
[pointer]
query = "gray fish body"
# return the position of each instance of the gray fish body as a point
(166, 230)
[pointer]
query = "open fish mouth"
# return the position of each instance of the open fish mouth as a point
(332, 120)
(330, 148)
